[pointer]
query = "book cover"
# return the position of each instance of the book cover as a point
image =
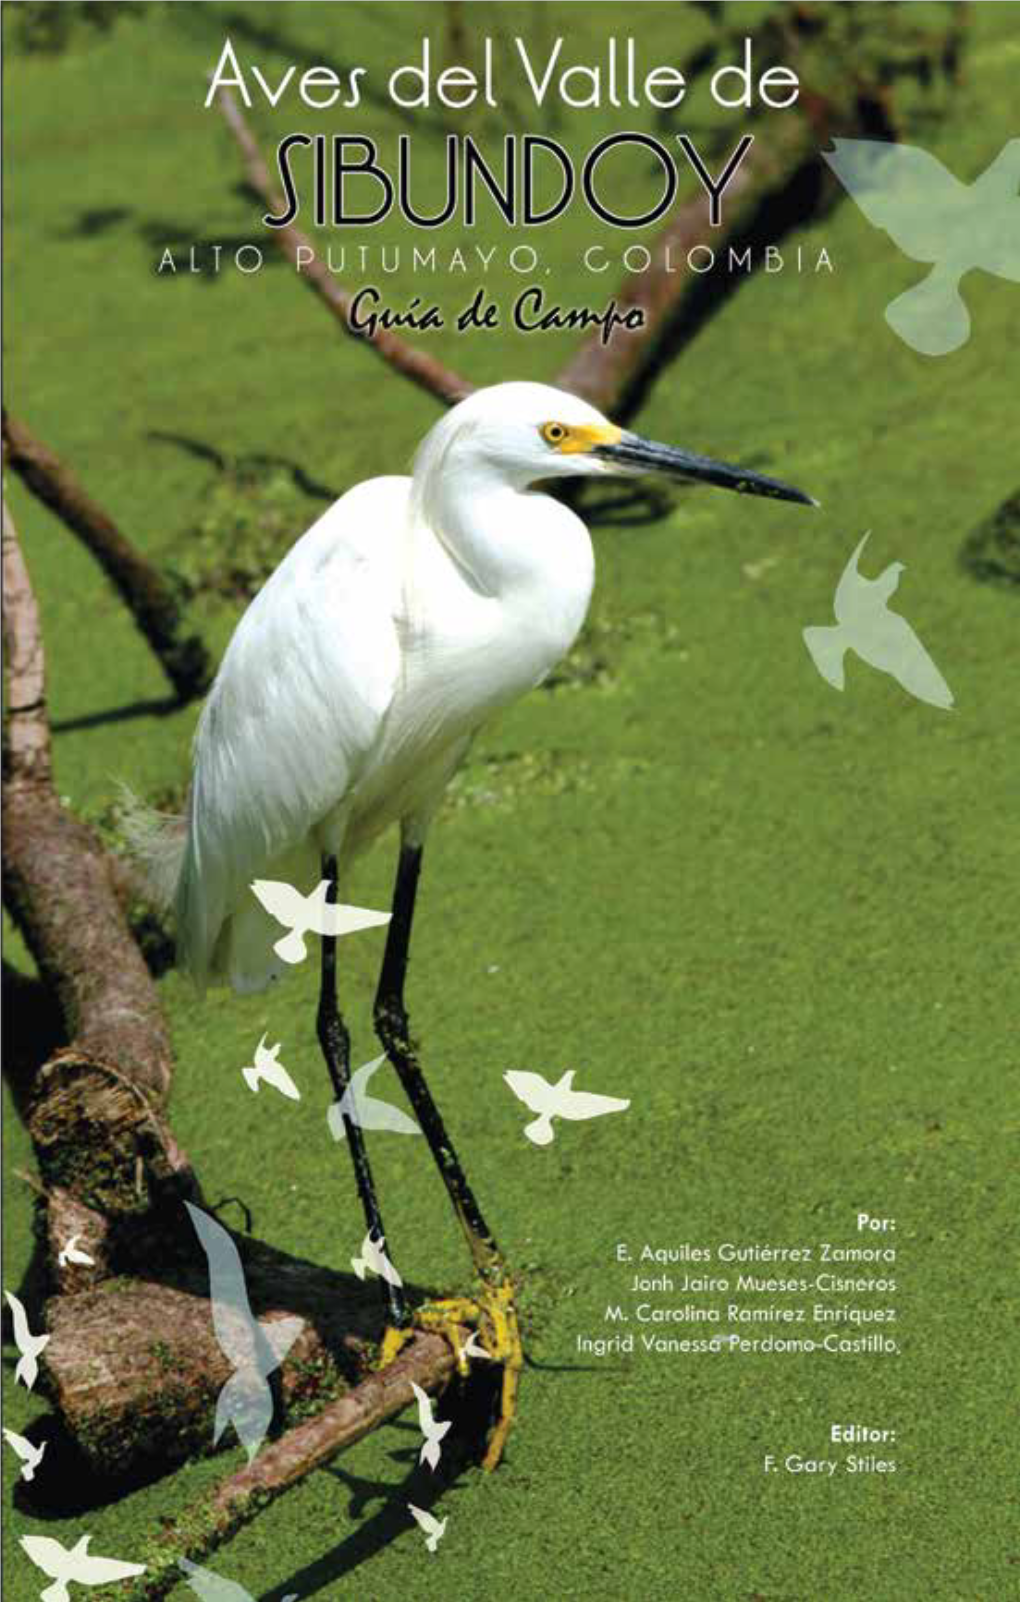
(510, 547)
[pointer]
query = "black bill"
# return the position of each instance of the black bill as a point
(645, 456)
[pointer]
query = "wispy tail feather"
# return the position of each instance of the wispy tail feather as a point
(158, 840)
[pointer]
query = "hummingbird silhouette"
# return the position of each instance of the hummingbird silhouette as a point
(881, 638)
(933, 217)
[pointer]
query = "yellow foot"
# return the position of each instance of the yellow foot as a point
(393, 1342)
(493, 1318)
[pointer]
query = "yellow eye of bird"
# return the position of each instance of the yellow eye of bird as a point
(553, 433)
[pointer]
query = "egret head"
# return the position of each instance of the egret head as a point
(524, 433)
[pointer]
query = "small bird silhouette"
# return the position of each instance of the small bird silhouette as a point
(70, 1254)
(933, 217)
(214, 1588)
(557, 1101)
(267, 1071)
(881, 638)
(365, 1110)
(253, 1348)
(31, 1456)
(300, 914)
(432, 1428)
(29, 1345)
(434, 1528)
(64, 1564)
(472, 1348)
(373, 1257)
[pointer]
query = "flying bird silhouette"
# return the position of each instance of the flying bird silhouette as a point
(70, 1254)
(881, 638)
(432, 1428)
(29, 1345)
(373, 1257)
(268, 1071)
(64, 1564)
(214, 1588)
(301, 914)
(933, 217)
(365, 1110)
(434, 1528)
(31, 1456)
(254, 1349)
(557, 1101)
(472, 1348)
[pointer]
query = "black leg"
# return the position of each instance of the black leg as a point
(392, 1025)
(336, 1048)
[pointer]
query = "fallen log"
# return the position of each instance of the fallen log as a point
(135, 1367)
(95, 1107)
(147, 593)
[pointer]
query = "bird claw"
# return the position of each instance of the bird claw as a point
(494, 1315)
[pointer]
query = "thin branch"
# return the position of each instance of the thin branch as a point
(427, 1361)
(431, 375)
(142, 587)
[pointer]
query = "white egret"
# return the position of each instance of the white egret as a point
(413, 610)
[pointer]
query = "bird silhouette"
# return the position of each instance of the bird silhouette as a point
(933, 217)
(432, 1429)
(881, 638)
(301, 914)
(434, 1528)
(214, 1588)
(253, 1348)
(69, 1253)
(373, 1258)
(367, 1111)
(472, 1348)
(64, 1564)
(557, 1101)
(268, 1071)
(30, 1455)
(29, 1346)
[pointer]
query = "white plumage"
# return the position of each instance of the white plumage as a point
(354, 683)
(65, 1564)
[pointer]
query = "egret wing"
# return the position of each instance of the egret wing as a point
(294, 715)
(281, 901)
(20, 1444)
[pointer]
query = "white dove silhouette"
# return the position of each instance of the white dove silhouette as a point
(432, 1428)
(934, 218)
(254, 1349)
(557, 1101)
(69, 1253)
(31, 1456)
(267, 1071)
(214, 1588)
(471, 1348)
(28, 1345)
(434, 1528)
(64, 1564)
(300, 914)
(367, 1111)
(881, 638)
(373, 1257)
